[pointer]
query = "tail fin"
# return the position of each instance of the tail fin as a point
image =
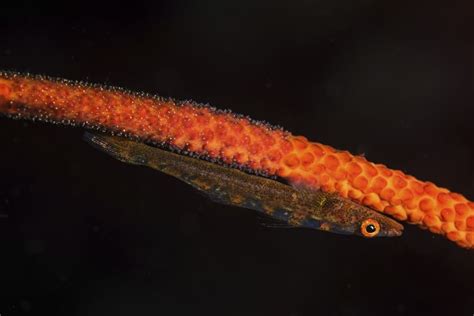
(116, 147)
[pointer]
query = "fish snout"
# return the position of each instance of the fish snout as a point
(391, 228)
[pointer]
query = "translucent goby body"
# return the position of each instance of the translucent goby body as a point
(297, 207)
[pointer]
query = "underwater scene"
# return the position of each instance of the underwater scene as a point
(237, 158)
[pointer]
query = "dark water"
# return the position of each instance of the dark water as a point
(88, 235)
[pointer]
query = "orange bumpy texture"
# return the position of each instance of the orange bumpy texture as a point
(239, 141)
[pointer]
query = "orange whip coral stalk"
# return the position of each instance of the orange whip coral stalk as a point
(238, 141)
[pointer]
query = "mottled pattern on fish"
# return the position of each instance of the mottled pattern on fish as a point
(238, 141)
(299, 208)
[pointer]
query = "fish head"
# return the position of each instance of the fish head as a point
(347, 217)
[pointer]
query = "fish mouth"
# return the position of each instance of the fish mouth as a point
(391, 228)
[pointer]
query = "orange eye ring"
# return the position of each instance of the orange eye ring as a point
(370, 228)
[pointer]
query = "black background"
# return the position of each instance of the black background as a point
(83, 234)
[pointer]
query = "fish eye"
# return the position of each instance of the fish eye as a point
(370, 228)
